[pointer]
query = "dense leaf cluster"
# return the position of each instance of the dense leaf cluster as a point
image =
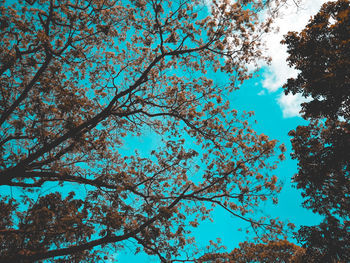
(322, 54)
(81, 81)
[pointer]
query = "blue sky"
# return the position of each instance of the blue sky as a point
(276, 114)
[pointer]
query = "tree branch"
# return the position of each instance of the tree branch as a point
(104, 240)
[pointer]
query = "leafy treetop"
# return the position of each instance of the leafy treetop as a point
(77, 77)
(322, 54)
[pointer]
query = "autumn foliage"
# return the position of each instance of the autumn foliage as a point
(276, 251)
(81, 81)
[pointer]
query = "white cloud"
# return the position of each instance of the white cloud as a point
(290, 104)
(292, 18)
(262, 92)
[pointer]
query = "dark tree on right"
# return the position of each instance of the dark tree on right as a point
(321, 52)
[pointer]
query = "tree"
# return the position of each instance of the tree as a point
(273, 251)
(322, 54)
(326, 242)
(323, 158)
(79, 80)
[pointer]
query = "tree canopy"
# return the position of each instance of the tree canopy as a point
(80, 80)
(321, 52)
(277, 251)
